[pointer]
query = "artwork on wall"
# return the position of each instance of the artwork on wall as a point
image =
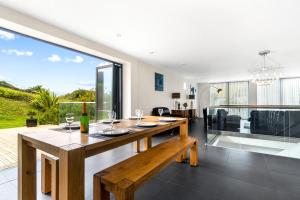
(159, 82)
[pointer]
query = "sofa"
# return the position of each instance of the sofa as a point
(221, 120)
(277, 123)
(166, 111)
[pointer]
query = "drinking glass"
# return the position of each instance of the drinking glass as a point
(70, 120)
(141, 114)
(112, 117)
(160, 111)
(138, 113)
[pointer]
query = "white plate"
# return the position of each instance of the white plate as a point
(146, 124)
(167, 119)
(109, 121)
(135, 118)
(72, 126)
(114, 132)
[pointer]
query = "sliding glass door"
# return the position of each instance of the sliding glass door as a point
(109, 90)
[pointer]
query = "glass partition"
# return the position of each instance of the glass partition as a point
(76, 109)
(264, 129)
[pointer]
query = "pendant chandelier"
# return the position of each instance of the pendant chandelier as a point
(268, 72)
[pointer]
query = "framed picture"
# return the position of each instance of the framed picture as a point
(159, 82)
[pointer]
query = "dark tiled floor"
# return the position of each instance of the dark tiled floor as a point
(223, 174)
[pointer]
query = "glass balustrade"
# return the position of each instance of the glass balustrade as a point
(76, 109)
(264, 129)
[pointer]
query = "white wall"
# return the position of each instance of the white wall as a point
(148, 98)
(203, 97)
(138, 86)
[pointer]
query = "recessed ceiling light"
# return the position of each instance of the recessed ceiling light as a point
(119, 35)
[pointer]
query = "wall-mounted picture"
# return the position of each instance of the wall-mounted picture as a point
(159, 82)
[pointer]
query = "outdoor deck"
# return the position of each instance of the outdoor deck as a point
(9, 145)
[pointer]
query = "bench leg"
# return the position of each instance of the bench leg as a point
(124, 190)
(55, 180)
(99, 190)
(181, 157)
(137, 146)
(194, 154)
(45, 175)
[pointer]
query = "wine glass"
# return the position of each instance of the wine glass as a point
(138, 113)
(141, 114)
(70, 120)
(112, 117)
(160, 111)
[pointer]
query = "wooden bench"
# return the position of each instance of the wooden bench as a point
(125, 177)
(50, 175)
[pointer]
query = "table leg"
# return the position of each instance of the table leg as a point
(147, 143)
(71, 173)
(184, 128)
(26, 170)
(137, 146)
(184, 132)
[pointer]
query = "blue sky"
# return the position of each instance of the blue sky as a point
(27, 62)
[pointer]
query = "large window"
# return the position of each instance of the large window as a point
(218, 98)
(282, 92)
(238, 93)
(290, 89)
(233, 93)
(32, 70)
(269, 94)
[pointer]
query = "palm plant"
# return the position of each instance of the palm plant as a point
(47, 104)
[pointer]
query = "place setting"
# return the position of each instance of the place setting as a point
(106, 127)
(142, 124)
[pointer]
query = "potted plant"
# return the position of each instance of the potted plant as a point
(31, 121)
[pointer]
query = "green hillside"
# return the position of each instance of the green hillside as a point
(15, 104)
(13, 113)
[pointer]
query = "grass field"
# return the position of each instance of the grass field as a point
(15, 104)
(13, 113)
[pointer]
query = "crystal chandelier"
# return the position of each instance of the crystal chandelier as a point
(268, 72)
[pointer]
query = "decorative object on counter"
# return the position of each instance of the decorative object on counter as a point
(84, 120)
(192, 105)
(176, 95)
(159, 82)
(31, 122)
(178, 106)
(188, 113)
(185, 105)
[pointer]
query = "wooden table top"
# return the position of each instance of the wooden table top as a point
(51, 141)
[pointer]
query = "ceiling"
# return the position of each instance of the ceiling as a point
(207, 40)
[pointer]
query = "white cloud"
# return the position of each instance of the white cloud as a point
(77, 59)
(7, 35)
(17, 52)
(54, 58)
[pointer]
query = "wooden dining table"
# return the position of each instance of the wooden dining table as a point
(73, 148)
